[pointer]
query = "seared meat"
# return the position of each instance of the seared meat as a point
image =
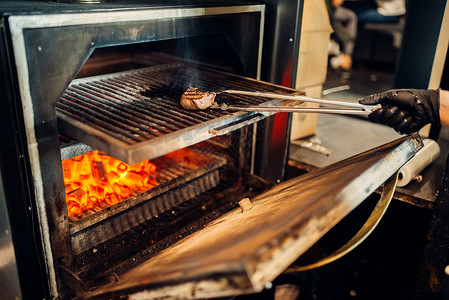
(194, 99)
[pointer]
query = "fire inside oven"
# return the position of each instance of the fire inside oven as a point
(95, 181)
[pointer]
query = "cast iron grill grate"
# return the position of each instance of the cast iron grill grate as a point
(136, 115)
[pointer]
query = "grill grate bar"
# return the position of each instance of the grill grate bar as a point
(146, 106)
(168, 102)
(211, 82)
(115, 114)
(65, 106)
(170, 109)
(139, 109)
(120, 107)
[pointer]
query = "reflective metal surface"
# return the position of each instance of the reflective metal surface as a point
(279, 65)
(82, 1)
(9, 277)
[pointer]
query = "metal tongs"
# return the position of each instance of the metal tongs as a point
(353, 107)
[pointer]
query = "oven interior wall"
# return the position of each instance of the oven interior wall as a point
(213, 50)
(104, 261)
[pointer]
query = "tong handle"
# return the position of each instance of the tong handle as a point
(276, 109)
(367, 108)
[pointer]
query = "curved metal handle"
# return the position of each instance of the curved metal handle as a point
(370, 224)
(238, 123)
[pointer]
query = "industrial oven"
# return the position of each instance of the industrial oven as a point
(110, 188)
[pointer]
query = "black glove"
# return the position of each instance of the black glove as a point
(406, 111)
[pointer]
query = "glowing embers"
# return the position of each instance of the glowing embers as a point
(94, 181)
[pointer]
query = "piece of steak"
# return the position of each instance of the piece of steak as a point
(192, 98)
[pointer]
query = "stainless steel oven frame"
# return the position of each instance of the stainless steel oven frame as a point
(48, 50)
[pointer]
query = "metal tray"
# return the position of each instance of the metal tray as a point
(244, 250)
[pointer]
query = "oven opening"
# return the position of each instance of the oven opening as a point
(139, 171)
(125, 205)
(210, 50)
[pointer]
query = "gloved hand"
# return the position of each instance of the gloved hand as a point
(406, 111)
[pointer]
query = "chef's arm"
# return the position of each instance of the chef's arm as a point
(444, 107)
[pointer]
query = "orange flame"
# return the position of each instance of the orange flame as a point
(95, 179)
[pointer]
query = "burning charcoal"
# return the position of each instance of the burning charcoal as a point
(70, 187)
(78, 193)
(98, 172)
(92, 199)
(124, 190)
(97, 208)
(145, 168)
(113, 176)
(101, 170)
(97, 191)
(122, 167)
(112, 199)
(133, 178)
(73, 207)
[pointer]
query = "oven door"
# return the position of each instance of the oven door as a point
(245, 249)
